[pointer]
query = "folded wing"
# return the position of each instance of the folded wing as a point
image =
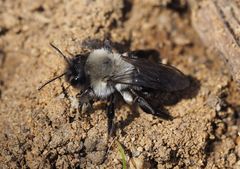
(152, 75)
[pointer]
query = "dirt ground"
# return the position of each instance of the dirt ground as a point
(45, 130)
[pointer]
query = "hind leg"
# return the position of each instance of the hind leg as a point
(148, 108)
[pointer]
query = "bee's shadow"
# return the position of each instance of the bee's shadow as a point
(172, 98)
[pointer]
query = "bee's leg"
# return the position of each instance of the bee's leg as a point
(110, 111)
(85, 100)
(148, 108)
(86, 107)
(144, 104)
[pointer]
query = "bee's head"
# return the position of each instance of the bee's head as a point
(75, 73)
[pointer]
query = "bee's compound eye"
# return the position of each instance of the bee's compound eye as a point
(77, 80)
(74, 80)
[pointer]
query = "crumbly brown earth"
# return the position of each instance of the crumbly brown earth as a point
(44, 129)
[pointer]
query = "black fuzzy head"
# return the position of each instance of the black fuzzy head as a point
(75, 71)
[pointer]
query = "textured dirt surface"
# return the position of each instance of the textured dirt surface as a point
(45, 130)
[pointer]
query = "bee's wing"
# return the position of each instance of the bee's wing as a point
(153, 75)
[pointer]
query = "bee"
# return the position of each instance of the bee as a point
(102, 74)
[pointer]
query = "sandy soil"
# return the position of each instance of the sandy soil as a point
(44, 129)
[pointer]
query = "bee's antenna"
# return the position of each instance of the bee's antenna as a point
(59, 51)
(51, 80)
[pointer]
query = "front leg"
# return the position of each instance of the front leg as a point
(85, 100)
